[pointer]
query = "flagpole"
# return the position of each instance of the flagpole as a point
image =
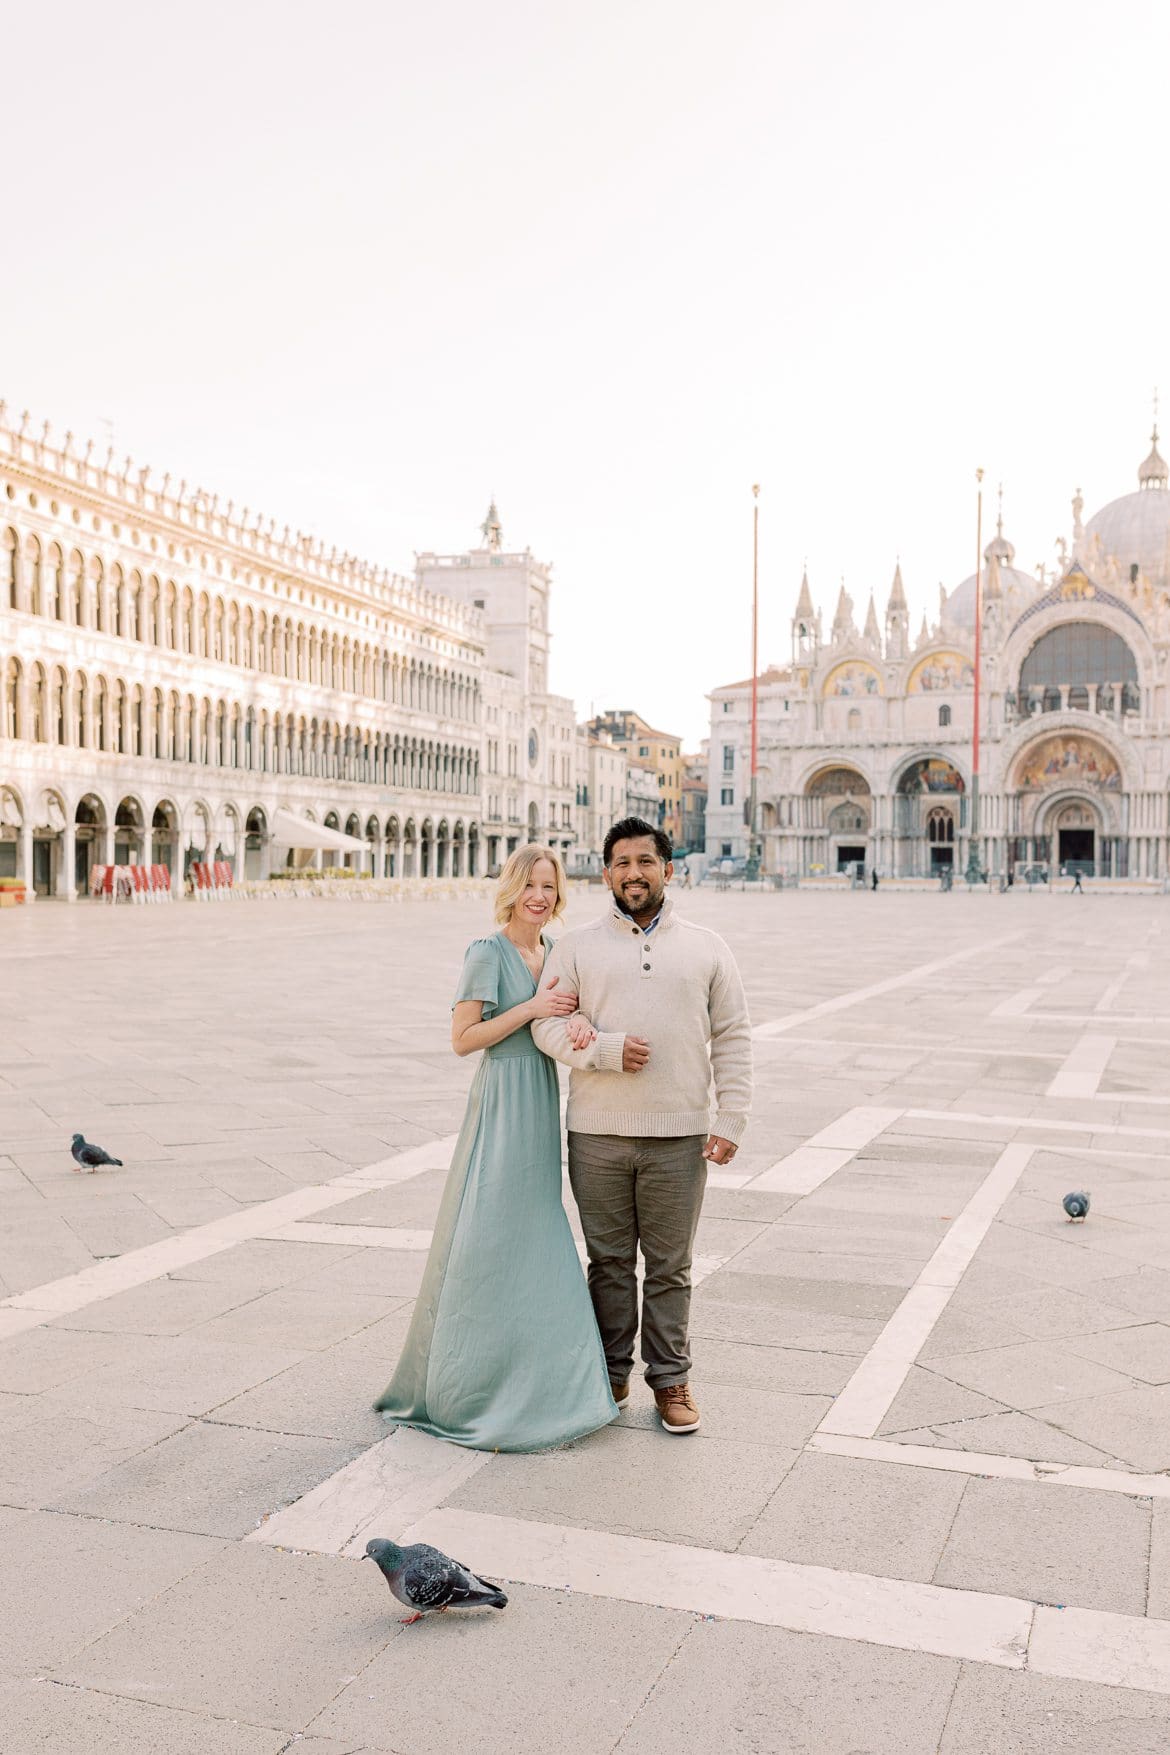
(753, 860)
(975, 873)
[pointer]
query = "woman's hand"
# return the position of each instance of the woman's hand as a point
(549, 1004)
(580, 1033)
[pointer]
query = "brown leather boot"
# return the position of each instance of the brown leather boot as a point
(619, 1391)
(676, 1409)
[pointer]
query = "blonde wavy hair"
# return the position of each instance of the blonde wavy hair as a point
(514, 878)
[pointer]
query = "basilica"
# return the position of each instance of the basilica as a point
(865, 736)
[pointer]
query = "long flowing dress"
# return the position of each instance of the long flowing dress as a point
(503, 1351)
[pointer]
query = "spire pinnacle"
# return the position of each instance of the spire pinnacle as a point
(897, 591)
(1153, 472)
(491, 529)
(804, 603)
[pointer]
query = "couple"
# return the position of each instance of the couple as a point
(504, 1352)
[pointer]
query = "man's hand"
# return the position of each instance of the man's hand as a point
(635, 1053)
(718, 1150)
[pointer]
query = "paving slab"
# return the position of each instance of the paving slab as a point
(213, 1480)
(1034, 1374)
(766, 1691)
(858, 1516)
(298, 1318)
(1016, 1712)
(256, 1634)
(1134, 1425)
(637, 1483)
(58, 1444)
(926, 1399)
(77, 1577)
(578, 1668)
(1075, 1546)
(49, 1717)
(183, 1374)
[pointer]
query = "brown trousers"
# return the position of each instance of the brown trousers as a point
(647, 1193)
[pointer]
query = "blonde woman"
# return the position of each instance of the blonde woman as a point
(503, 1351)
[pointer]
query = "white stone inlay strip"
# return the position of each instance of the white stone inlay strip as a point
(802, 1170)
(1047, 1123)
(1002, 1468)
(859, 995)
(825, 1152)
(1094, 1645)
(864, 1402)
(740, 1587)
(1084, 1068)
(365, 1236)
(1018, 1004)
(378, 1494)
(103, 1279)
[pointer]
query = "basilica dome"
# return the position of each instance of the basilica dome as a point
(1019, 589)
(1135, 530)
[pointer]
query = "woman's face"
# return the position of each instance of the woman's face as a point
(539, 896)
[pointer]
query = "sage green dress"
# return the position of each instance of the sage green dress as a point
(503, 1351)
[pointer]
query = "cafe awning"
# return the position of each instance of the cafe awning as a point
(293, 831)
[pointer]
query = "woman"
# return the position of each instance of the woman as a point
(503, 1351)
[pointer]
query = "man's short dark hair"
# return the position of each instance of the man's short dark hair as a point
(632, 829)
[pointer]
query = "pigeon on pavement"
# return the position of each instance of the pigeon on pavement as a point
(428, 1582)
(1076, 1205)
(88, 1157)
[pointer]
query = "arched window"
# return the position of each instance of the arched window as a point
(8, 569)
(1078, 652)
(940, 828)
(944, 716)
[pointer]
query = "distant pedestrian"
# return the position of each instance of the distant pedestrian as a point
(1077, 884)
(873, 880)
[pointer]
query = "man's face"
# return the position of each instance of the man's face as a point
(638, 875)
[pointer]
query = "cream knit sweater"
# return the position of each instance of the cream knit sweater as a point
(680, 989)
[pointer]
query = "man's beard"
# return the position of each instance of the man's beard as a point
(651, 903)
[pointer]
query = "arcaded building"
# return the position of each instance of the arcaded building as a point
(179, 680)
(866, 734)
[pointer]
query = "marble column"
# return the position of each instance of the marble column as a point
(66, 886)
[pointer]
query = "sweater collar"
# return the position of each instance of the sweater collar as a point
(665, 917)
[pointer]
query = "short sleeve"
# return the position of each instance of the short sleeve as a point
(480, 978)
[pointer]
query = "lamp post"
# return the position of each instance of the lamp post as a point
(752, 868)
(975, 873)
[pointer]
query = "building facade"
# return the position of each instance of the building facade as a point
(866, 735)
(530, 762)
(178, 680)
(661, 751)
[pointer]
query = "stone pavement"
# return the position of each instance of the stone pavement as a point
(929, 1508)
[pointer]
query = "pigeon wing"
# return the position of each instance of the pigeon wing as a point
(431, 1581)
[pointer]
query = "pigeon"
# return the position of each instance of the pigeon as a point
(1076, 1205)
(428, 1582)
(88, 1157)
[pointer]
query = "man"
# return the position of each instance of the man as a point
(667, 1003)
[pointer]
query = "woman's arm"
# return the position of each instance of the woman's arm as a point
(470, 1031)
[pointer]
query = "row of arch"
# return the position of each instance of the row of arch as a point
(41, 703)
(135, 830)
(66, 586)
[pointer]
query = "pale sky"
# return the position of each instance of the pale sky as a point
(362, 266)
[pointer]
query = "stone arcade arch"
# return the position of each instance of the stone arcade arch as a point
(837, 809)
(928, 803)
(1068, 805)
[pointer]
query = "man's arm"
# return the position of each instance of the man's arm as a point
(551, 1037)
(731, 1050)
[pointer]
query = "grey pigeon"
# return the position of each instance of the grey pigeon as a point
(428, 1582)
(1076, 1205)
(88, 1157)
